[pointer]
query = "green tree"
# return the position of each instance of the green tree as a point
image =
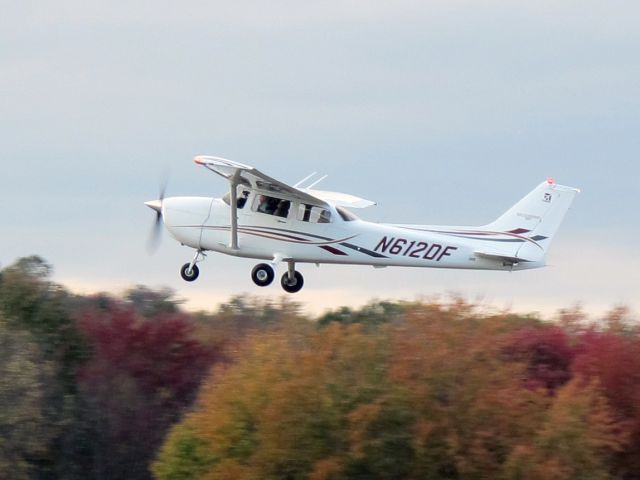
(24, 416)
(31, 302)
(152, 302)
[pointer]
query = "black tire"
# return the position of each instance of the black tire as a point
(262, 274)
(294, 286)
(184, 272)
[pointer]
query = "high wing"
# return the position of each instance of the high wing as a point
(249, 176)
(340, 199)
(254, 178)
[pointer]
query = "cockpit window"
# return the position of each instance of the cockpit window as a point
(272, 206)
(313, 214)
(346, 215)
(243, 195)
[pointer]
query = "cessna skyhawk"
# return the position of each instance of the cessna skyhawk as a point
(268, 220)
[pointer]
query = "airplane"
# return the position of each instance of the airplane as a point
(268, 220)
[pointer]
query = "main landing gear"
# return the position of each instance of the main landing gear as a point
(263, 275)
(292, 284)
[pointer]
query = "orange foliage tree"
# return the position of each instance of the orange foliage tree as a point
(433, 392)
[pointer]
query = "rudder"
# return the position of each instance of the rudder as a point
(537, 216)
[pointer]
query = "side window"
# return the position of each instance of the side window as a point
(313, 214)
(242, 197)
(271, 206)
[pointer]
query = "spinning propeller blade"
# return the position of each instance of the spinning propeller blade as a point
(156, 230)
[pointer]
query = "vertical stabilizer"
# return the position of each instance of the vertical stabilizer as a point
(537, 217)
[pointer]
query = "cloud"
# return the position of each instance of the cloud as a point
(445, 112)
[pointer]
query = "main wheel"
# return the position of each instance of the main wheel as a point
(189, 274)
(262, 274)
(292, 286)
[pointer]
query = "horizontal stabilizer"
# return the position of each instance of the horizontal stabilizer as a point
(505, 259)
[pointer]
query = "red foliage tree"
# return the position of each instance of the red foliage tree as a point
(141, 375)
(614, 360)
(548, 354)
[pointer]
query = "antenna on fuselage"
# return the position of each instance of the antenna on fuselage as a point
(304, 180)
(316, 182)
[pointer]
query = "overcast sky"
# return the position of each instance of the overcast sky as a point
(441, 111)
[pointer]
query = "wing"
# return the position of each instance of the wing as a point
(254, 178)
(341, 199)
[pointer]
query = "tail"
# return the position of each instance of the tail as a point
(536, 219)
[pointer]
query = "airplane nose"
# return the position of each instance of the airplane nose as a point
(154, 205)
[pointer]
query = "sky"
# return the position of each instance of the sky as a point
(444, 112)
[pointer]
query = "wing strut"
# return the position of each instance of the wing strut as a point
(233, 200)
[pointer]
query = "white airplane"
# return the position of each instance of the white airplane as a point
(266, 219)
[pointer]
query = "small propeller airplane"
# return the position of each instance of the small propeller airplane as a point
(265, 219)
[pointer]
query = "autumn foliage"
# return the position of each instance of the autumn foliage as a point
(435, 392)
(140, 376)
(131, 386)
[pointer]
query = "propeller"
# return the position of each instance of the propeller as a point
(156, 229)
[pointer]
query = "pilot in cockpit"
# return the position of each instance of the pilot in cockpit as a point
(243, 199)
(264, 204)
(283, 208)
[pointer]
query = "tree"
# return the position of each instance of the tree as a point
(429, 396)
(576, 440)
(547, 352)
(468, 400)
(31, 303)
(372, 315)
(612, 359)
(25, 420)
(142, 374)
(282, 409)
(150, 302)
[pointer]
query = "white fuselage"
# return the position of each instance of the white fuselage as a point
(204, 224)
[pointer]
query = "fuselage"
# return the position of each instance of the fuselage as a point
(311, 234)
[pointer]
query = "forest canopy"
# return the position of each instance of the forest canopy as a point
(133, 386)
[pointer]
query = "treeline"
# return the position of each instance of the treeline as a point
(89, 385)
(133, 387)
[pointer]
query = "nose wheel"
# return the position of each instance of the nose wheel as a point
(189, 273)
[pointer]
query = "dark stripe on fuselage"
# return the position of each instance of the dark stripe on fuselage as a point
(363, 250)
(269, 231)
(330, 249)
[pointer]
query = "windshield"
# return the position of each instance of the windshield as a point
(241, 199)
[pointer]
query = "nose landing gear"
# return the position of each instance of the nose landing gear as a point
(190, 271)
